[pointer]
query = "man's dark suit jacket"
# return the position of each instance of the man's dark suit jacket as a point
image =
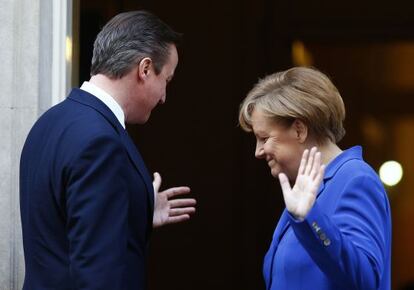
(86, 200)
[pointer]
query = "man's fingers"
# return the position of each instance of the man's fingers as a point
(178, 219)
(157, 182)
(182, 211)
(175, 191)
(182, 202)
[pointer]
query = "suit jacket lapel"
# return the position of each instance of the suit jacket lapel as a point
(87, 99)
(280, 230)
(139, 164)
(321, 187)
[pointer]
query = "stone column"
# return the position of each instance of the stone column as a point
(30, 47)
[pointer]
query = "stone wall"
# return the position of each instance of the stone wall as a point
(27, 55)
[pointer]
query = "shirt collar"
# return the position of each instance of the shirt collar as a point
(107, 99)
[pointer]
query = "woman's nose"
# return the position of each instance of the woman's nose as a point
(259, 153)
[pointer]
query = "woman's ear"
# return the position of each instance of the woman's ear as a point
(300, 130)
(144, 68)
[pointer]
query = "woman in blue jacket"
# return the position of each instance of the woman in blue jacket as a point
(335, 232)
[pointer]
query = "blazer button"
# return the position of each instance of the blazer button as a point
(327, 242)
(316, 227)
(322, 236)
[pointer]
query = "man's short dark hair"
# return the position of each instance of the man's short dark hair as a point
(128, 38)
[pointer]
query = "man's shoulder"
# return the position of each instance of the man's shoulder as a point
(72, 112)
(74, 123)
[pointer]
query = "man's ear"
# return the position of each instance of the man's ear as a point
(300, 130)
(144, 68)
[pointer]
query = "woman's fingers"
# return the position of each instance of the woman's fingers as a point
(319, 176)
(303, 161)
(284, 183)
(316, 165)
(309, 163)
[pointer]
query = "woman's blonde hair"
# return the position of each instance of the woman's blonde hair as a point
(298, 93)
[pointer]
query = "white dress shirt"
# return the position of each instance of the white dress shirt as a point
(107, 99)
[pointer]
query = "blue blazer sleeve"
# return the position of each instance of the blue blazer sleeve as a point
(350, 245)
(97, 207)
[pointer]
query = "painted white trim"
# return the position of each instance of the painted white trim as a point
(62, 50)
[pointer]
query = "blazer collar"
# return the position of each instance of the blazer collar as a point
(90, 100)
(349, 154)
(333, 166)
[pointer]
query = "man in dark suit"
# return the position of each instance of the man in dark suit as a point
(87, 199)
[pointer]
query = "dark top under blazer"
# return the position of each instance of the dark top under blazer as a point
(344, 243)
(86, 200)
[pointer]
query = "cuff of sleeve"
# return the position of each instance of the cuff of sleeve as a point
(311, 225)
